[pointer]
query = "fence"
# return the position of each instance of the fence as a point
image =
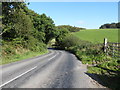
(112, 49)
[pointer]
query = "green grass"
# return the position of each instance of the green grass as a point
(106, 68)
(18, 57)
(98, 35)
(109, 80)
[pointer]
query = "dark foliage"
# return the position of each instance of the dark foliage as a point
(25, 28)
(112, 25)
(70, 28)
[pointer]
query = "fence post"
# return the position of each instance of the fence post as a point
(105, 45)
(113, 51)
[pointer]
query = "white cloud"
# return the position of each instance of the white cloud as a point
(80, 22)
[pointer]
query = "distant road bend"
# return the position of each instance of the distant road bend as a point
(57, 69)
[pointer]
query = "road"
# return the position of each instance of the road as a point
(57, 69)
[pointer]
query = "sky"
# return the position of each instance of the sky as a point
(90, 15)
(73, 0)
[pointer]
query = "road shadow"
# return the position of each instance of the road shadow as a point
(60, 49)
(50, 48)
(111, 80)
(109, 71)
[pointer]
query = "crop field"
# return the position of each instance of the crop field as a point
(98, 35)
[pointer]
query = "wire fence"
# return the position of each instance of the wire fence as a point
(112, 49)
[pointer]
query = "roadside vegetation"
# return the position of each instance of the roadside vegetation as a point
(23, 54)
(70, 28)
(24, 32)
(105, 67)
(12, 53)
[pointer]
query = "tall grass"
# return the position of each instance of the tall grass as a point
(12, 53)
(18, 57)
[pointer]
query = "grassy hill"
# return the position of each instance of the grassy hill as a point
(98, 35)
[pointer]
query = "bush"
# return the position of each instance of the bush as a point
(70, 41)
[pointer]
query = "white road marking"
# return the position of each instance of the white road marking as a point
(23, 73)
(17, 77)
(53, 57)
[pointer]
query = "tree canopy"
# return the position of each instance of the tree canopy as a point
(24, 26)
(70, 28)
(112, 25)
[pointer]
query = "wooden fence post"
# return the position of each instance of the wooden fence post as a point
(113, 51)
(105, 45)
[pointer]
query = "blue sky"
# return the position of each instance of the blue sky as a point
(89, 15)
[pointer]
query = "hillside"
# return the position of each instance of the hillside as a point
(98, 35)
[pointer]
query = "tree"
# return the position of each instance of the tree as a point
(62, 33)
(38, 28)
(118, 25)
(18, 26)
(71, 28)
(44, 25)
(112, 25)
(48, 27)
(16, 23)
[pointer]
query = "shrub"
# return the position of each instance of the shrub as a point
(70, 41)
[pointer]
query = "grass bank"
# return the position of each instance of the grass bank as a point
(11, 52)
(108, 76)
(106, 68)
(18, 57)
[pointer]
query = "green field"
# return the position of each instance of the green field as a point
(98, 35)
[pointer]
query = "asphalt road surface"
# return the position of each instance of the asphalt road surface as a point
(57, 69)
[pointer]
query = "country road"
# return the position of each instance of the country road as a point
(57, 69)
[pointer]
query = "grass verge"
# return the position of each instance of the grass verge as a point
(107, 77)
(18, 57)
(100, 65)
